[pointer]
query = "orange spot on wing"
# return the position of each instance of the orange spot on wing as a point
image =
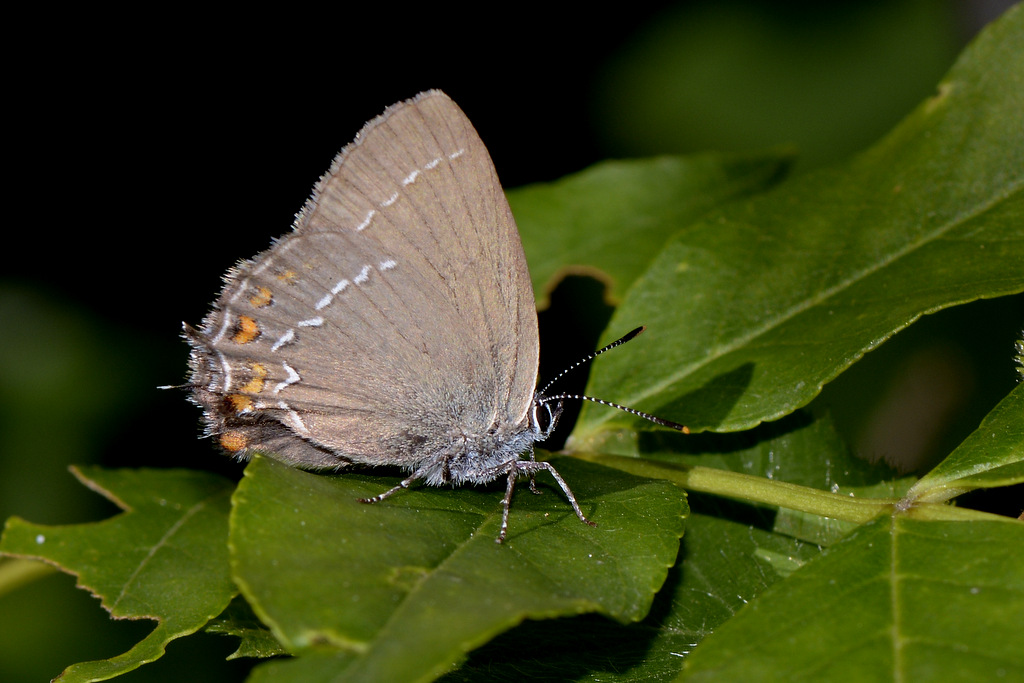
(262, 297)
(233, 441)
(255, 384)
(246, 329)
(240, 402)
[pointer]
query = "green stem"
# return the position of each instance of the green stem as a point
(753, 489)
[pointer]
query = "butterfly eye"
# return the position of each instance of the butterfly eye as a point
(544, 417)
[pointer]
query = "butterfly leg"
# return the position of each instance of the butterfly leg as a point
(533, 478)
(506, 502)
(418, 474)
(536, 466)
(533, 485)
(531, 468)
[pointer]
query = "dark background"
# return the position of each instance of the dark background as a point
(149, 152)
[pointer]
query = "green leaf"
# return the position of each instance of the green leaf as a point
(992, 456)
(756, 306)
(611, 219)
(240, 621)
(899, 599)
(723, 565)
(164, 558)
(405, 588)
(730, 554)
(733, 552)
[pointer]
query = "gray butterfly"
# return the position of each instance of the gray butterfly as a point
(395, 324)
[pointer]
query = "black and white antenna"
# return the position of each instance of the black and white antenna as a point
(544, 398)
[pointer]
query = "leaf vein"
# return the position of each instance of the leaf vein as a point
(171, 531)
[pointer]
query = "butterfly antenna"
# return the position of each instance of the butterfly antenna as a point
(580, 397)
(591, 356)
(639, 413)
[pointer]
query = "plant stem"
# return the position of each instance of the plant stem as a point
(753, 489)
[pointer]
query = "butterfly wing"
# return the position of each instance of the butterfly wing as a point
(396, 318)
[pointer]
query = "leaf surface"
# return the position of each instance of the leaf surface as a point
(611, 219)
(164, 558)
(754, 307)
(899, 599)
(403, 589)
